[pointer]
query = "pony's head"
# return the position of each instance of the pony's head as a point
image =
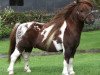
(84, 11)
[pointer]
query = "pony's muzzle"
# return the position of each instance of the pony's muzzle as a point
(90, 19)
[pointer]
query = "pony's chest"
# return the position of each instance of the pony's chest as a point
(53, 33)
(50, 37)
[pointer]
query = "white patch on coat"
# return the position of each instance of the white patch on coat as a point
(24, 28)
(21, 30)
(70, 67)
(65, 71)
(37, 28)
(46, 32)
(13, 57)
(62, 29)
(60, 46)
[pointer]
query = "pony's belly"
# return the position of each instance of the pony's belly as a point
(51, 48)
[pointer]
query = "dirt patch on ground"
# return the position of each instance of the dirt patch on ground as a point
(89, 51)
(3, 55)
(43, 53)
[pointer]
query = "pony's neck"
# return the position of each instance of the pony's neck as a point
(74, 24)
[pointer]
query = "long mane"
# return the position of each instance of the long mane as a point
(61, 15)
(66, 11)
(58, 20)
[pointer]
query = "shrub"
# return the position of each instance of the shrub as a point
(13, 17)
(4, 30)
(95, 26)
(8, 18)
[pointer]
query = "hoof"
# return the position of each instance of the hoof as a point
(65, 74)
(72, 73)
(11, 72)
(28, 71)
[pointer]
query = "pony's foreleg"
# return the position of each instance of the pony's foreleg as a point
(26, 60)
(65, 64)
(68, 63)
(65, 71)
(13, 58)
(70, 67)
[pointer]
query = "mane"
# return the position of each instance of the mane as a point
(66, 11)
(62, 14)
(58, 20)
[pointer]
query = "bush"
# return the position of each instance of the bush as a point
(8, 18)
(13, 17)
(4, 30)
(95, 26)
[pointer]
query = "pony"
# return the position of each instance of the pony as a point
(61, 33)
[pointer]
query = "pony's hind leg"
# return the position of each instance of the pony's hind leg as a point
(13, 58)
(26, 60)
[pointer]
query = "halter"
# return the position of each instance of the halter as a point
(89, 14)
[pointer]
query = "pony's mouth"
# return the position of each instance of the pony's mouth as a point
(89, 22)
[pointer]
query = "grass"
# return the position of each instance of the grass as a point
(85, 64)
(4, 46)
(90, 40)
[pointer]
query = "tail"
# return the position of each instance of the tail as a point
(13, 40)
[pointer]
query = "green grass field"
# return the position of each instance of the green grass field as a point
(90, 40)
(4, 46)
(85, 63)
